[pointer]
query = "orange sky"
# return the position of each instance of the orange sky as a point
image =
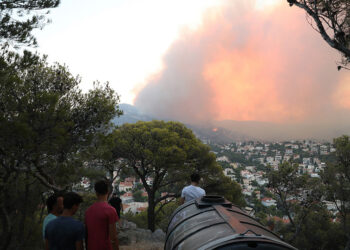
(249, 65)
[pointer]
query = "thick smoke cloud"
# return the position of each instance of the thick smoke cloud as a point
(245, 64)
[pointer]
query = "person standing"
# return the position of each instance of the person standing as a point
(116, 202)
(65, 232)
(55, 207)
(192, 191)
(100, 221)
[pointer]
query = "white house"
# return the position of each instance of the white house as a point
(267, 202)
(278, 158)
(135, 207)
(289, 151)
(270, 159)
(125, 186)
(228, 171)
(223, 159)
(127, 197)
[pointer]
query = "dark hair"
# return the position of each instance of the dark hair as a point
(52, 200)
(70, 199)
(101, 187)
(195, 177)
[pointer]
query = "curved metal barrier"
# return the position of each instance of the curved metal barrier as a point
(214, 223)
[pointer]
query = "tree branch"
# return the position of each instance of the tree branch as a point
(332, 42)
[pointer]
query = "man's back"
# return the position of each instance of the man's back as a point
(63, 233)
(98, 217)
(192, 192)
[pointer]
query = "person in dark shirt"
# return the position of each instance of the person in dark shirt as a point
(116, 202)
(65, 232)
(55, 208)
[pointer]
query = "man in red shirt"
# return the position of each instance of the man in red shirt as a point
(100, 221)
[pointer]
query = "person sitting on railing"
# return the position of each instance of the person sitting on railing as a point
(192, 191)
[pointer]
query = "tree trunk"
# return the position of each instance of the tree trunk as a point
(347, 246)
(23, 212)
(150, 212)
(7, 233)
(110, 183)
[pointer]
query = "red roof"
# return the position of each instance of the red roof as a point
(285, 221)
(128, 194)
(127, 184)
(130, 179)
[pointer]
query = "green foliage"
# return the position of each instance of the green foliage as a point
(219, 184)
(22, 212)
(300, 198)
(164, 214)
(47, 129)
(137, 195)
(319, 232)
(162, 219)
(46, 123)
(139, 219)
(88, 199)
(337, 180)
(18, 18)
(169, 153)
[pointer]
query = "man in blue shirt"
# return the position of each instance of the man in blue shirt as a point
(65, 232)
(55, 207)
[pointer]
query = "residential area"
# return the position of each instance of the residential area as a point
(246, 163)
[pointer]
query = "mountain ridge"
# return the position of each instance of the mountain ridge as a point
(226, 131)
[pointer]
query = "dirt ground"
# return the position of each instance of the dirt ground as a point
(143, 246)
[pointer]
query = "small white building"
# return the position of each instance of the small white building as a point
(278, 158)
(262, 181)
(251, 168)
(289, 151)
(247, 192)
(307, 161)
(228, 172)
(135, 207)
(127, 197)
(223, 159)
(125, 186)
(270, 159)
(267, 202)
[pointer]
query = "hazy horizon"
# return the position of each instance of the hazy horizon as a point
(246, 130)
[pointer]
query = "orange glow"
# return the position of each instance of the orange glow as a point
(244, 80)
(245, 89)
(341, 96)
(248, 65)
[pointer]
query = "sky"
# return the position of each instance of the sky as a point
(120, 41)
(205, 60)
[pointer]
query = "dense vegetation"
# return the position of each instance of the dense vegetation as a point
(303, 199)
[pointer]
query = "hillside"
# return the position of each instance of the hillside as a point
(206, 132)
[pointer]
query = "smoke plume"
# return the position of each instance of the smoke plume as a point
(245, 64)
